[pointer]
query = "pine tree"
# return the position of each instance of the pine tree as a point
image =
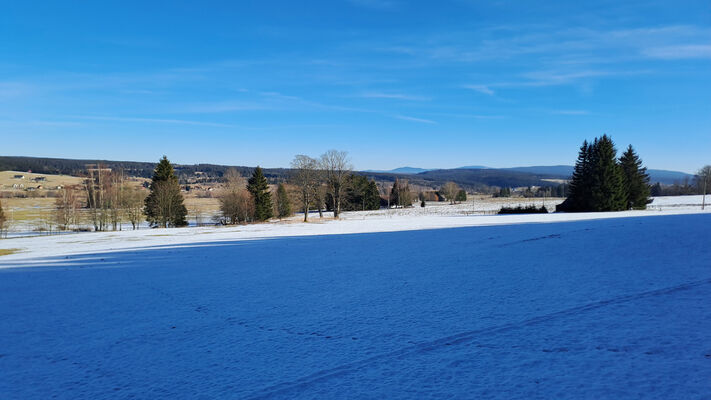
(636, 180)
(372, 196)
(164, 205)
(259, 188)
(607, 185)
(579, 190)
(461, 196)
(283, 203)
(395, 193)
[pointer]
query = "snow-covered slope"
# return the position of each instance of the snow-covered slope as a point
(546, 306)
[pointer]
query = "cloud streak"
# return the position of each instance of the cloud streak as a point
(413, 119)
(395, 96)
(481, 89)
(679, 52)
(153, 121)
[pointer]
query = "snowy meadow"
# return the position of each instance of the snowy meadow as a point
(384, 305)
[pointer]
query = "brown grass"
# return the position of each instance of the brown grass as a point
(7, 252)
(6, 179)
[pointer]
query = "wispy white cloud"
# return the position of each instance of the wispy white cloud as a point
(570, 112)
(413, 119)
(153, 120)
(396, 96)
(375, 4)
(679, 51)
(481, 89)
(224, 106)
(49, 123)
(11, 90)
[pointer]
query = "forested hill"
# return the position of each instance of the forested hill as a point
(133, 168)
(478, 178)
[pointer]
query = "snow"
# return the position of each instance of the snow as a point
(388, 305)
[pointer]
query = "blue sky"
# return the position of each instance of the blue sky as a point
(428, 84)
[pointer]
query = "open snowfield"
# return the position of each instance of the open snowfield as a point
(387, 305)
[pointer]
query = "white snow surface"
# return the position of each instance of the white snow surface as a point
(384, 305)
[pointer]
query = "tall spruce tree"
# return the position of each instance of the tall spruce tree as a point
(579, 189)
(636, 180)
(283, 203)
(607, 184)
(164, 205)
(259, 188)
(372, 196)
(395, 193)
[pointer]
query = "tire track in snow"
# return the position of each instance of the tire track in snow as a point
(458, 338)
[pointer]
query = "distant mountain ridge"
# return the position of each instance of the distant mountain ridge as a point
(665, 177)
(401, 170)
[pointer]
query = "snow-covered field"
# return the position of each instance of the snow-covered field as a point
(389, 305)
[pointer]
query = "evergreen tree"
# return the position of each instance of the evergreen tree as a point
(283, 203)
(607, 184)
(579, 190)
(372, 196)
(656, 189)
(461, 196)
(259, 188)
(394, 193)
(164, 205)
(636, 180)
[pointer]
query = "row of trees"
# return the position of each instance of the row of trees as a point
(601, 182)
(323, 181)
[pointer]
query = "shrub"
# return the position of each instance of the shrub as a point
(531, 209)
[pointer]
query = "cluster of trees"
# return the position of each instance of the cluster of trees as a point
(105, 199)
(400, 194)
(329, 183)
(601, 182)
(326, 183)
(361, 194)
(110, 200)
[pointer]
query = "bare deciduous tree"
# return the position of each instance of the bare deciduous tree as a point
(385, 189)
(336, 168)
(703, 180)
(4, 224)
(95, 184)
(133, 202)
(67, 206)
(450, 190)
(236, 204)
(307, 177)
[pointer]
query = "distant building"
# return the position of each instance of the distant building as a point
(19, 177)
